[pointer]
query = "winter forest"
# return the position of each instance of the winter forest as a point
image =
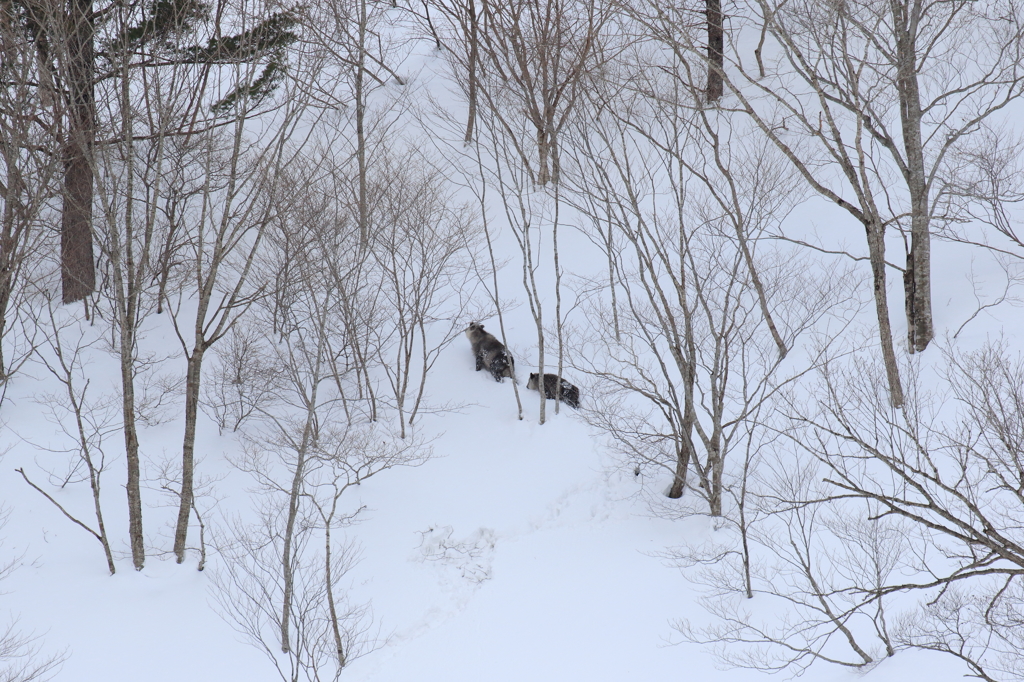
(765, 257)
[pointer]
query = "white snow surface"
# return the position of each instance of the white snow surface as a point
(553, 571)
(519, 552)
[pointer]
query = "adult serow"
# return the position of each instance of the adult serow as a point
(489, 352)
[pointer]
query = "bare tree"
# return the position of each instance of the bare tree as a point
(239, 169)
(22, 659)
(141, 177)
(422, 244)
(359, 49)
(26, 176)
(871, 506)
(877, 93)
(21, 655)
(243, 379)
(305, 456)
(84, 420)
(680, 204)
(459, 35)
(79, 46)
(814, 564)
(248, 590)
(535, 55)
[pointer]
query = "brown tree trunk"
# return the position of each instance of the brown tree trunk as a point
(78, 273)
(5, 298)
(716, 50)
(8, 245)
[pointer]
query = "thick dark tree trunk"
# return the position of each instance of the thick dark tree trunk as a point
(5, 299)
(78, 272)
(8, 246)
(716, 50)
(921, 327)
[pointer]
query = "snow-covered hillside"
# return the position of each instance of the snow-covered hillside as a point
(518, 552)
(473, 536)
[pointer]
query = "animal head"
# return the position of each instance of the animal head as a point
(474, 329)
(534, 381)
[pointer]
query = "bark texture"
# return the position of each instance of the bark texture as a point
(716, 47)
(78, 271)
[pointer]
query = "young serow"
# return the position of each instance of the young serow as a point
(570, 395)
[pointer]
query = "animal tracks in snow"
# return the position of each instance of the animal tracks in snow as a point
(470, 557)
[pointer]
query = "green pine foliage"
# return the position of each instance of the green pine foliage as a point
(166, 22)
(267, 40)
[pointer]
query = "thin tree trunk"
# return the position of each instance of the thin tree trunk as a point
(760, 47)
(5, 298)
(126, 290)
(423, 373)
(558, 307)
(876, 252)
(717, 465)
(612, 287)
(329, 579)
(286, 554)
(12, 236)
(193, 376)
(360, 103)
(543, 152)
(482, 196)
(741, 504)
(131, 444)
(474, 58)
(94, 483)
(293, 508)
(78, 274)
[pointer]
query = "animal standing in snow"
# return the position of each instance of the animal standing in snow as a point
(489, 352)
(570, 394)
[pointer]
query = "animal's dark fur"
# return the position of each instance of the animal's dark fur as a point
(570, 394)
(489, 352)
